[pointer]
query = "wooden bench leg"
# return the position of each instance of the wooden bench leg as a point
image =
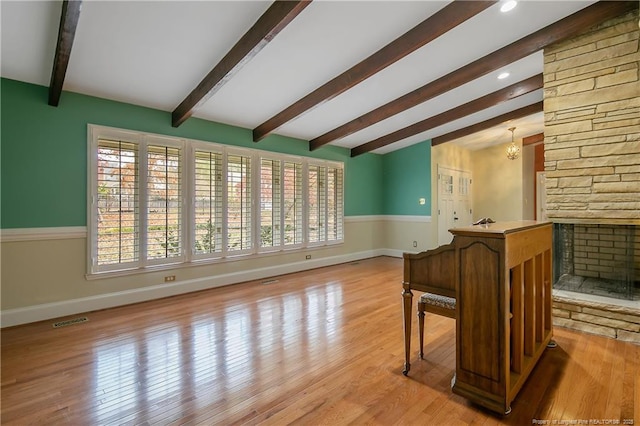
(421, 309)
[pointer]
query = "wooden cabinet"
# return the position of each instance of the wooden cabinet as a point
(503, 292)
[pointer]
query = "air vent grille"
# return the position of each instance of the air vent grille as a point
(70, 322)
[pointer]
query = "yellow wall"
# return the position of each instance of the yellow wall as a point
(497, 184)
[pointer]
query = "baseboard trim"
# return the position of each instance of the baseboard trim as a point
(392, 253)
(47, 311)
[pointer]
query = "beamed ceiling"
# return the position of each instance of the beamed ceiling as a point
(370, 76)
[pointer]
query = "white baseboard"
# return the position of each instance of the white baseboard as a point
(12, 317)
(391, 253)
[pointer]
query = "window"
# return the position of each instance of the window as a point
(292, 201)
(156, 200)
(270, 203)
(238, 203)
(164, 203)
(137, 202)
(325, 204)
(207, 206)
(334, 204)
(317, 213)
(116, 206)
(280, 203)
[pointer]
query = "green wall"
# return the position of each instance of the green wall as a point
(406, 179)
(44, 158)
(44, 154)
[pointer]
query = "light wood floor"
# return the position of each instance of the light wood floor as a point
(320, 347)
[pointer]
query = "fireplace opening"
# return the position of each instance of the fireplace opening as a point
(597, 259)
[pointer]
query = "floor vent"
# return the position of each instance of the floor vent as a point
(269, 281)
(70, 322)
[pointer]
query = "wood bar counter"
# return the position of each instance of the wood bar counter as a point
(503, 311)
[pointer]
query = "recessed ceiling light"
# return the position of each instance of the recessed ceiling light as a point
(503, 75)
(508, 5)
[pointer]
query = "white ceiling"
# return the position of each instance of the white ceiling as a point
(153, 53)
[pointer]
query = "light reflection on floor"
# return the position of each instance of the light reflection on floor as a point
(137, 373)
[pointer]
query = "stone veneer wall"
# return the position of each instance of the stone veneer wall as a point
(592, 124)
(592, 149)
(595, 318)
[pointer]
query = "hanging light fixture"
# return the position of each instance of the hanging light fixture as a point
(513, 150)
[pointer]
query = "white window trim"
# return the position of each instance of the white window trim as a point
(282, 158)
(173, 143)
(188, 148)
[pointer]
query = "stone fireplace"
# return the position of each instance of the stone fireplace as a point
(592, 167)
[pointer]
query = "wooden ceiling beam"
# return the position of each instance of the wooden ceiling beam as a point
(560, 30)
(274, 20)
(487, 124)
(510, 92)
(439, 23)
(66, 33)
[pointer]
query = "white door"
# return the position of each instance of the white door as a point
(454, 202)
(541, 197)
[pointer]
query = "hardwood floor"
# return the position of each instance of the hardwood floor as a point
(319, 347)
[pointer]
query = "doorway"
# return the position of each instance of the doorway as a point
(454, 201)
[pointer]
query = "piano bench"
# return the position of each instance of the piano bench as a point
(436, 304)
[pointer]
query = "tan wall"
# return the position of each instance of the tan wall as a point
(44, 278)
(401, 233)
(592, 124)
(497, 184)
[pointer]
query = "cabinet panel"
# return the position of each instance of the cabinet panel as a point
(479, 331)
(503, 308)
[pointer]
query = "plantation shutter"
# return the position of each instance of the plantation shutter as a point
(292, 201)
(241, 201)
(164, 202)
(317, 204)
(116, 206)
(239, 212)
(335, 214)
(208, 217)
(270, 203)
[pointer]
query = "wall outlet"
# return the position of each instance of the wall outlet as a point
(415, 244)
(308, 257)
(169, 278)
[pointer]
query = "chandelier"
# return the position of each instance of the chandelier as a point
(513, 150)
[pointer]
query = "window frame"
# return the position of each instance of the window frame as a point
(197, 146)
(92, 198)
(188, 149)
(161, 141)
(323, 209)
(282, 159)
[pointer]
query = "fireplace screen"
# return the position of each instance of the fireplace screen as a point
(598, 259)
